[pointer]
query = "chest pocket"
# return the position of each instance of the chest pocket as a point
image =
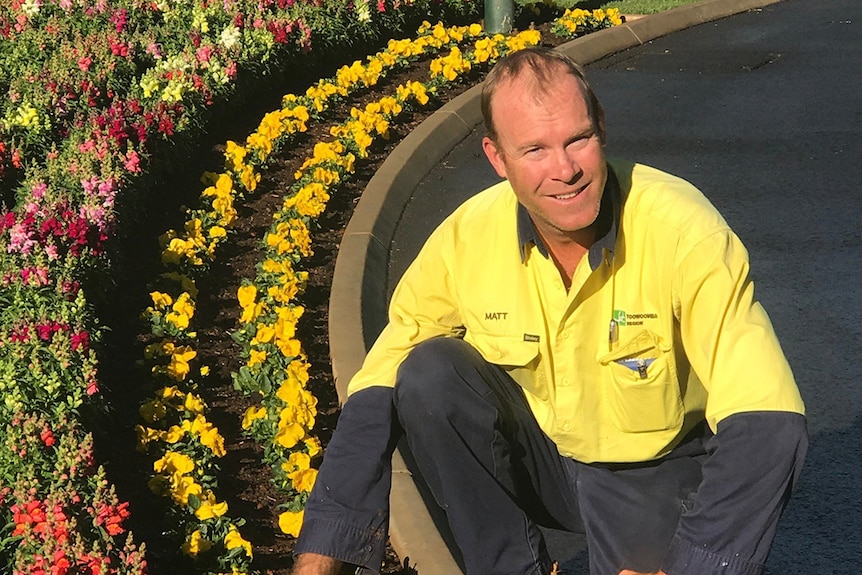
(640, 390)
(518, 357)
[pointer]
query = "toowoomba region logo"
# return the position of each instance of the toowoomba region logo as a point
(624, 318)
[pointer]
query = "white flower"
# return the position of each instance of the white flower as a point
(31, 7)
(230, 37)
(363, 13)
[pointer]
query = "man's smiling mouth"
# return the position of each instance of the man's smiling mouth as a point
(570, 195)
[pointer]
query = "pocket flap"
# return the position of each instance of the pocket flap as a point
(504, 350)
(634, 347)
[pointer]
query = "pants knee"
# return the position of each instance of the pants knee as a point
(431, 374)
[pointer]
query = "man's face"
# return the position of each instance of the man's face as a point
(549, 150)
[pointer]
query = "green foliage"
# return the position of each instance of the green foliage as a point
(625, 6)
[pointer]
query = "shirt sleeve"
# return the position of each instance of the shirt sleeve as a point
(347, 513)
(727, 528)
(753, 406)
(727, 335)
(423, 306)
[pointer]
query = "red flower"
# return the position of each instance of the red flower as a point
(44, 331)
(166, 126)
(7, 221)
(31, 514)
(51, 227)
(71, 289)
(119, 19)
(61, 564)
(81, 340)
(22, 335)
(47, 437)
(112, 517)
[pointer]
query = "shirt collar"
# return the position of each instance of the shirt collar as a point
(608, 224)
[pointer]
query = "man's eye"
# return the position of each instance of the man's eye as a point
(580, 143)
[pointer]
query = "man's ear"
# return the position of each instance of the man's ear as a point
(600, 128)
(494, 155)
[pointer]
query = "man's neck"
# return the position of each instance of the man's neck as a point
(568, 250)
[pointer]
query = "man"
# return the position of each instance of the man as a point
(578, 346)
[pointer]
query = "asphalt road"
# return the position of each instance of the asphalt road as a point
(763, 112)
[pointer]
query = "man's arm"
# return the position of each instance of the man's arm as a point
(314, 564)
(753, 462)
(753, 406)
(347, 513)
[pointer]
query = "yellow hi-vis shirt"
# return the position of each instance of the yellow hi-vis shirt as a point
(688, 339)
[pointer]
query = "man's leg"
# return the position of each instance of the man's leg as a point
(631, 513)
(484, 458)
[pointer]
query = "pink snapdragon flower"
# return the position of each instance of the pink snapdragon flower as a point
(204, 53)
(132, 162)
(20, 239)
(38, 190)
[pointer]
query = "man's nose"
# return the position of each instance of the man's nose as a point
(566, 166)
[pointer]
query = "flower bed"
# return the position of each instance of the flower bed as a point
(275, 367)
(97, 91)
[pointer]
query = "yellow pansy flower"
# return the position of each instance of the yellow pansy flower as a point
(173, 434)
(312, 444)
(298, 370)
(234, 155)
(179, 367)
(169, 391)
(303, 479)
(182, 487)
(161, 300)
(256, 357)
(144, 436)
(246, 295)
(194, 404)
(289, 434)
(265, 333)
(297, 461)
(233, 540)
(196, 544)
(251, 415)
(290, 522)
(214, 441)
(173, 463)
(210, 507)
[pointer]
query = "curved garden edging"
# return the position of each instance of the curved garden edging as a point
(358, 300)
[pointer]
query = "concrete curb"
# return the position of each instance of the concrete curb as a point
(358, 301)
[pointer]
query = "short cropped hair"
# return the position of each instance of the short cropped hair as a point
(544, 64)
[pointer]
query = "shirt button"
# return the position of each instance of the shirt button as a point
(564, 382)
(567, 426)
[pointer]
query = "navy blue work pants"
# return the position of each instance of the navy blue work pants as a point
(497, 476)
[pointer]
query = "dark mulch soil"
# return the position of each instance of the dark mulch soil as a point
(245, 480)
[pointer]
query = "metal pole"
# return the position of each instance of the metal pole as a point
(498, 16)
